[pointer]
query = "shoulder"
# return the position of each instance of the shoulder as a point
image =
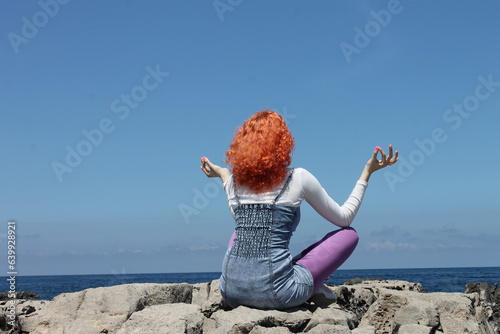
(301, 172)
(297, 170)
(303, 177)
(306, 180)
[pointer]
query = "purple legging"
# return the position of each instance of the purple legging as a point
(326, 255)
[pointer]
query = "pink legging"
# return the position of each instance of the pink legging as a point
(326, 255)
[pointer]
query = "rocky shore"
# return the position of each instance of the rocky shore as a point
(362, 307)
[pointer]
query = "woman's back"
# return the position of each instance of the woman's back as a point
(258, 269)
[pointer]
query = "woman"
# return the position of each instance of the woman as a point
(264, 197)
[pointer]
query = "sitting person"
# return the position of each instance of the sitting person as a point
(264, 197)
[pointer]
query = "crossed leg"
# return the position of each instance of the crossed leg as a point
(325, 256)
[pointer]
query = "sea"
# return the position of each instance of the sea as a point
(432, 279)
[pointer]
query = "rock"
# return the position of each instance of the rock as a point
(268, 330)
(448, 312)
(355, 300)
(332, 315)
(27, 310)
(371, 306)
(200, 293)
(244, 319)
(208, 296)
(329, 329)
(417, 312)
(93, 310)
(415, 329)
(20, 295)
(358, 280)
(352, 281)
(364, 330)
(381, 313)
(165, 319)
(489, 299)
(458, 313)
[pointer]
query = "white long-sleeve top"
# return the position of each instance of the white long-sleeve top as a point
(303, 186)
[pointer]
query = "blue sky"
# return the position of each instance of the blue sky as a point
(106, 107)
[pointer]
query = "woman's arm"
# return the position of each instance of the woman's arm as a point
(318, 198)
(343, 215)
(212, 170)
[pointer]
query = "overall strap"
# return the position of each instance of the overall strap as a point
(285, 185)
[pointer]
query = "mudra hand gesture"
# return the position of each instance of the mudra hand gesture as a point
(375, 164)
(213, 170)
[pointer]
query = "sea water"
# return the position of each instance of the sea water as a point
(432, 279)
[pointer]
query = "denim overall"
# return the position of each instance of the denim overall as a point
(258, 270)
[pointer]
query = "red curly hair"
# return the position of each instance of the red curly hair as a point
(260, 152)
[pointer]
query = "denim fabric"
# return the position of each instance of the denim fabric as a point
(258, 270)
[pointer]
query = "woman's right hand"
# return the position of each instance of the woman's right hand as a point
(212, 170)
(374, 164)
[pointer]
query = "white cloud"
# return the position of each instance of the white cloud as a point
(389, 245)
(392, 246)
(204, 247)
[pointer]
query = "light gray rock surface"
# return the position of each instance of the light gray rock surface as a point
(164, 319)
(362, 307)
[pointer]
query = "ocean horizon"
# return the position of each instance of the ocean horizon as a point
(432, 279)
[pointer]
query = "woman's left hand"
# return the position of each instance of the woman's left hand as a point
(375, 164)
